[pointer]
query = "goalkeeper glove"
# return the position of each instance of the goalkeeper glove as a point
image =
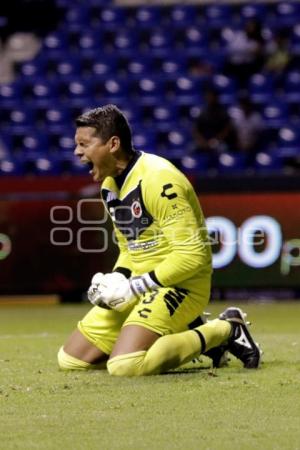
(115, 291)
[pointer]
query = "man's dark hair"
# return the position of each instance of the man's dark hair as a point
(108, 121)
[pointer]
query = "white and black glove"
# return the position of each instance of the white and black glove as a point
(93, 291)
(115, 291)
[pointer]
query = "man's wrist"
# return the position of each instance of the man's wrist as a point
(141, 284)
(123, 270)
(153, 276)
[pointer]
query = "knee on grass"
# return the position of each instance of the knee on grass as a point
(68, 362)
(128, 365)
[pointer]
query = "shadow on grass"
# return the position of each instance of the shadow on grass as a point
(188, 370)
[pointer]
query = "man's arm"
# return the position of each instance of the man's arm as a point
(172, 201)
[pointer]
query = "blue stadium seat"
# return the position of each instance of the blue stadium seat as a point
(10, 93)
(40, 90)
(163, 116)
(284, 14)
(34, 68)
(175, 142)
(292, 87)
(28, 139)
(55, 115)
(165, 112)
(113, 89)
(261, 88)
(267, 161)
(18, 116)
(193, 38)
(147, 16)
(189, 112)
(231, 162)
(123, 40)
(144, 139)
(147, 90)
(158, 40)
(22, 116)
(77, 16)
(173, 66)
(93, 63)
(218, 15)
(183, 15)
(139, 66)
(188, 90)
(226, 88)
(76, 88)
(253, 10)
(10, 167)
(46, 165)
(61, 140)
(56, 43)
(275, 114)
(89, 41)
(289, 140)
(193, 164)
(64, 66)
(38, 164)
(112, 17)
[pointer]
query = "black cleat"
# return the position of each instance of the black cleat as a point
(218, 355)
(241, 343)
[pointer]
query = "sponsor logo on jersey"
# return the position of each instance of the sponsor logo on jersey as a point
(134, 246)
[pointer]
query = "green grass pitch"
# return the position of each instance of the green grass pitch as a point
(192, 408)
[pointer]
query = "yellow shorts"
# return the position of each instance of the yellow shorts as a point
(165, 311)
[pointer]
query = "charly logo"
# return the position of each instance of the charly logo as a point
(136, 209)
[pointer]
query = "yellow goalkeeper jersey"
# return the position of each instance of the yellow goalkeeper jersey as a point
(158, 223)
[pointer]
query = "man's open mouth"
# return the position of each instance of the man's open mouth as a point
(87, 163)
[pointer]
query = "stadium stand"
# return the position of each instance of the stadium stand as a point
(154, 62)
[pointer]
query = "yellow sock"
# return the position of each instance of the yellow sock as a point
(166, 353)
(214, 332)
(171, 351)
(68, 362)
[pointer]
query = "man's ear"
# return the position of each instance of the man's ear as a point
(115, 144)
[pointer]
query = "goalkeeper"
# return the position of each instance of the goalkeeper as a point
(145, 312)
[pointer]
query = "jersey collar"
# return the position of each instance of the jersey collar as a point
(119, 179)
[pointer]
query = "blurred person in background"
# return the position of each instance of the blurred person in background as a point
(278, 54)
(22, 25)
(245, 52)
(249, 126)
(213, 130)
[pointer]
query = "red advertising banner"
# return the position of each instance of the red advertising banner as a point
(55, 246)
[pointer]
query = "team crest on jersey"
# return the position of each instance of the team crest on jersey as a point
(129, 213)
(136, 209)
